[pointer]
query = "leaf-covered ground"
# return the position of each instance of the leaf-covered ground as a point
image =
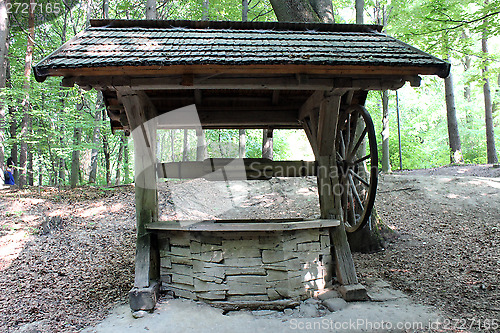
(66, 257)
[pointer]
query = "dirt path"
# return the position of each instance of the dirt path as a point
(446, 249)
(70, 273)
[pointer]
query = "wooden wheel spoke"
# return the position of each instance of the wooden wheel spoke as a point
(351, 208)
(342, 146)
(352, 136)
(358, 177)
(355, 193)
(348, 133)
(361, 159)
(359, 184)
(358, 143)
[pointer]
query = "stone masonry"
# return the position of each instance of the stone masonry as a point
(245, 266)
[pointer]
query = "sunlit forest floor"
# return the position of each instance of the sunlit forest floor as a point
(66, 256)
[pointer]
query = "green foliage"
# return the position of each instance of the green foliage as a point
(443, 28)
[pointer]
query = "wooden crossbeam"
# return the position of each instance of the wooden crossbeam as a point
(234, 169)
(275, 81)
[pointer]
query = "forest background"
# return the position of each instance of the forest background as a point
(61, 136)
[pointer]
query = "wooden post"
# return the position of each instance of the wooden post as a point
(330, 193)
(141, 115)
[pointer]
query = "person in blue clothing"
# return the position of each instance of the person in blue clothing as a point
(9, 177)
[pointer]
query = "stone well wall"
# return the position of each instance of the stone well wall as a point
(245, 266)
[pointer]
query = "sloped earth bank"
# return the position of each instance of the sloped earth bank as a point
(69, 272)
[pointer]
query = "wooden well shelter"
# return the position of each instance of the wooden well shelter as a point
(245, 75)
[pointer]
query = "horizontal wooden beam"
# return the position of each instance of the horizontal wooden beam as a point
(278, 81)
(348, 70)
(236, 169)
(236, 118)
(242, 225)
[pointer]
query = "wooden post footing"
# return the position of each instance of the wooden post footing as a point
(353, 292)
(144, 298)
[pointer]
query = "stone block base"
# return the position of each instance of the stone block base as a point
(353, 292)
(144, 298)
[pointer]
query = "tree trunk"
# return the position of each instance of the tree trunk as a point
(295, 11)
(488, 108)
(206, 7)
(201, 148)
(386, 164)
(30, 169)
(151, 13)
(172, 144)
(119, 159)
(244, 11)
(94, 155)
(185, 150)
(126, 169)
(23, 156)
(242, 132)
(75, 157)
(324, 10)
(360, 7)
(105, 148)
(267, 144)
(105, 9)
(451, 114)
(4, 50)
(242, 143)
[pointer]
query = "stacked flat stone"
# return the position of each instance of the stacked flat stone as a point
(245, 266)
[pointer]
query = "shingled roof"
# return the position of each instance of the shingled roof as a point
(109, 44)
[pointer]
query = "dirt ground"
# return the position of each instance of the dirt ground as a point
(66, 257)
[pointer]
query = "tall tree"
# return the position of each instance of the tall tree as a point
(242, 133)
(4, 51)
(23, 156)
(121, 151)
(451, 115)
(267, 144)
(206, 8)
(75, 157)
(185, 149)
(244, 10)
(491, 151)
(151, 13)
(201, 147)
(303, 10)
(360, 8)
(94, 155)
(381, 19)
(386, 165)
(107, 154)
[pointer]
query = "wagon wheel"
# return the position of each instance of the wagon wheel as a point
(357, 169)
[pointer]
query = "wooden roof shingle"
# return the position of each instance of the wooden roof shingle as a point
(108, 44)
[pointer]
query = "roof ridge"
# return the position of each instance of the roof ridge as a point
(236, 25)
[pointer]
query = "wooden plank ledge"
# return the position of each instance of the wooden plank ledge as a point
(242, 225)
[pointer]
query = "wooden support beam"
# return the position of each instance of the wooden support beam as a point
(330, 192)
(276, 97)
(311, 103)
(139, 109)
(275, 81)
(238, 119)
(247, 168)
(197, 96)
(327, 124)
